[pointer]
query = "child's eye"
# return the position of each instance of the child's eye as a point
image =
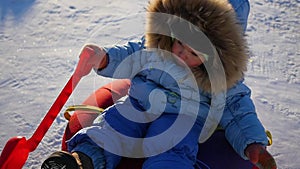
(180, 43)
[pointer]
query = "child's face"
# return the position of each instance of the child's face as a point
(187, 54)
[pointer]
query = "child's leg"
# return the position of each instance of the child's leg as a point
(242, 9)
(103, 97)
(179, 155)
(103, 138)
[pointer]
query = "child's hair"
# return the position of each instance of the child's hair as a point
(216, 19)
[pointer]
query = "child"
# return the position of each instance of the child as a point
(243, 130)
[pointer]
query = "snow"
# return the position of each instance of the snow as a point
(40, 42)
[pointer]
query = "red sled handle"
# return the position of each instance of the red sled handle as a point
(17, 149)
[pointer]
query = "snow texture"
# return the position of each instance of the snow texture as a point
(40, 42)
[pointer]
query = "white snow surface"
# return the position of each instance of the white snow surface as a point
(40, 42)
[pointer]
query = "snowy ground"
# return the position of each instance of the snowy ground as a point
(40, 42)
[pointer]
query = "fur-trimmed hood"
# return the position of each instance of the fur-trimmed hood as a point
(214, 23)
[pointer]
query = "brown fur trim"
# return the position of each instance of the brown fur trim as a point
(217, 20)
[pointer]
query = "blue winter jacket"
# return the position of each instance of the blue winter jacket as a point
(239, 118)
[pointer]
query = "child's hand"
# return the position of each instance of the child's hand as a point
(259, 156)
(90, 57)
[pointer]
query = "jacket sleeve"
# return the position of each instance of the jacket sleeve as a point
(240, 121)
(117, 54)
